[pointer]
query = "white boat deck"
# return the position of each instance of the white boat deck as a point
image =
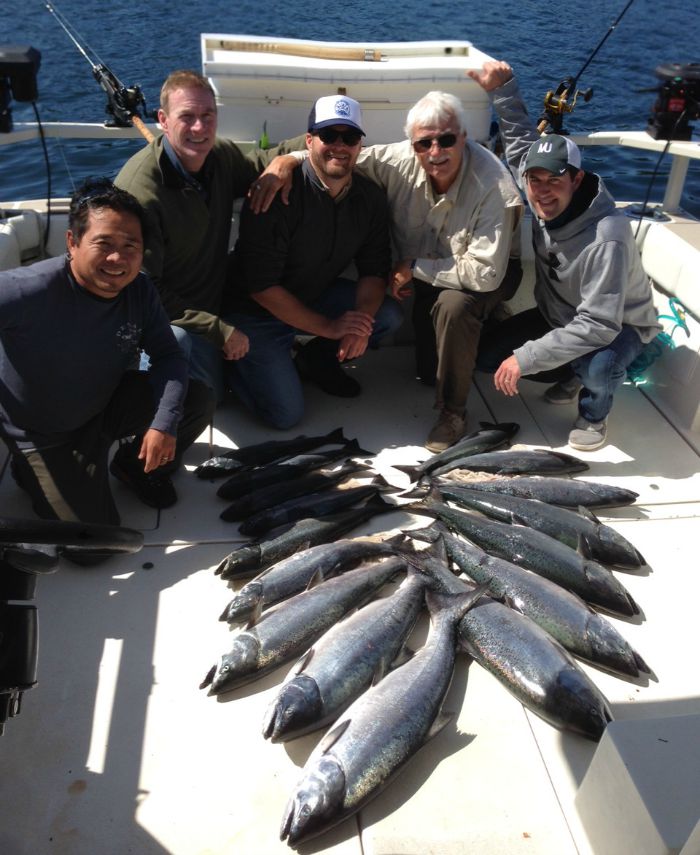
(117, 751)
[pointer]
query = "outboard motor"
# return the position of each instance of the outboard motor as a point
(677, 103)
(18, 69)
(19, 624)
(28, 549)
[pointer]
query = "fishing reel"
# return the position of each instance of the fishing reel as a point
(18, 68)
(557, 103)
(123, 102)
(677, 102)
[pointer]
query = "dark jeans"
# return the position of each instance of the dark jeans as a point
(601, 372)
(70, 480)
(447, 324)
(266, 379)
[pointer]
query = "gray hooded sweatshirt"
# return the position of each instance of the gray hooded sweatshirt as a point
(589, 279)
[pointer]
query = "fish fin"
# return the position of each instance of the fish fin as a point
(379, 673)
(396, 539)
(302, 546)
(441, 721)
(511, 428)
(459, 604)
(588, 514)
(302, 662)
(401, 658)
(429, 534)
(315, 580)
(437, 550)
(508, 601)
(380, 481)
(641, 664)
(377, 503)
(420, 490)
(411, 471)
(208, 678)
(581, 465)
(404, 655)
(224, 614)
(584, 548)
(406, 548)
(255, 614)
(516, 519)
(336, 437)
(333, 736)
(353, 448)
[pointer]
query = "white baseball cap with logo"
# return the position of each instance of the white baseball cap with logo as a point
(335, 110)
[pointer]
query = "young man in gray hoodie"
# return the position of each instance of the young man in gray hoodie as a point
(594, 311)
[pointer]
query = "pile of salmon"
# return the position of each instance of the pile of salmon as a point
(513, 568)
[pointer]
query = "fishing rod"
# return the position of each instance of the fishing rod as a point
(123, 102)
(557, 103)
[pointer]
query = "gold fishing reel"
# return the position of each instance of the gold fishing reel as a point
(556, 104)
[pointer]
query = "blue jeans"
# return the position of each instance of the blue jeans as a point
(601, 372)
(266, 379)
(206, 361)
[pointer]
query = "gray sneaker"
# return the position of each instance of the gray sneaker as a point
(446, 431)
(565, 392)
(587, 436)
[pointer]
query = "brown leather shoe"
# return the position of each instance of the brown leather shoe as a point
(447, 430)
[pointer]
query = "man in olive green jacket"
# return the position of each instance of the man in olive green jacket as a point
(187, 180)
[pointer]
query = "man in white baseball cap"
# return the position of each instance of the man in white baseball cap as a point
(594, 310)
(288, 264)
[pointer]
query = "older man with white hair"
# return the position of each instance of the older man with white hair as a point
(454, 209)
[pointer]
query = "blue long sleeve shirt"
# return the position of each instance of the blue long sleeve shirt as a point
(64, 350)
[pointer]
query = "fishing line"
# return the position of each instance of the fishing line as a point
(47, 164)
(70, 30)
(123, 102)
(664, 151)
(601, 43)
(557, 103)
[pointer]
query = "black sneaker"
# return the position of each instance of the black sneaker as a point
(321, 367)
(155, 489)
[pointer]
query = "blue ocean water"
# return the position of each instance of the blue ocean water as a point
(544, 42)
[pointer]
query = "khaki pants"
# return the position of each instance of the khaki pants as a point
(447, 325)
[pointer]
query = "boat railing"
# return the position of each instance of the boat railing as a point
(681, 152)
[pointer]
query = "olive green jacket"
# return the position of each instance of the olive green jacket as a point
(188, 232)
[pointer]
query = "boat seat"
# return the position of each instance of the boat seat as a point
(21, 240)
(671, 257)
(10, 256)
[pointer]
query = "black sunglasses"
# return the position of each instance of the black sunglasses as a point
(328, 136)
(443, 141)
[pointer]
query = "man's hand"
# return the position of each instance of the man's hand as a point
(236, 345)
(277, 177)
(400, 280)
(352, 347)
(493, 74)
(157, 448)
(507, 375)
(351, 323)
